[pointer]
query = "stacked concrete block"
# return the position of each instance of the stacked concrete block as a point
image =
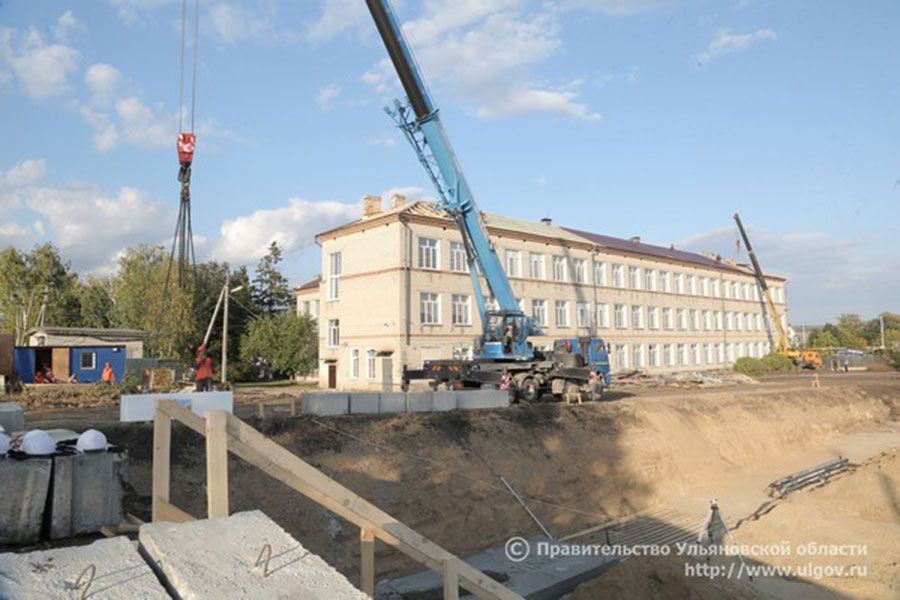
(24, 485)
(112, 569)
(87, 493)
(392, 402)
(365, 403)
(444, 401)
(479, 399)
(420, 401)
(12, 418)
(142, 407)
(245, 555)
(325, 403)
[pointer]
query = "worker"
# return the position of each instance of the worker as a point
(203, 370)
(108, 376)
(508, 338)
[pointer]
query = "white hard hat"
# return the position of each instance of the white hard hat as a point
(91, 440)
(38, 443)
(4, 444)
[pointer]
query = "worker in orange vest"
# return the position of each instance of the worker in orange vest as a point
(203, 370)
(108, 375)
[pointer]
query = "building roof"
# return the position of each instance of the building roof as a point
(566, 234)
(309, 285)
(97, 332)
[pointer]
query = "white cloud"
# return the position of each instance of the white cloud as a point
(66, 25)
(245, 239)
(327, 95)
(412, 193)
(103, 81)
(143, 125)
(388, 141)
(725, 42)
(233, 22)
(26, 172)
(338, 16)
(43, 69)
(132, 12)
(616, 7)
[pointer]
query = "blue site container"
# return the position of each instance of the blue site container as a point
(86, 363)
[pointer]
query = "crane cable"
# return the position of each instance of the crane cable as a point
(184, 4)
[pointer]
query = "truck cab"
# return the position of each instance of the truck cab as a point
(584, 352)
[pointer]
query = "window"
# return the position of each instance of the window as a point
(634, 278)
(539, 311)
(370, 364)
(637, 356)
(583, 314)
(692, 285)
(458, 261)
(729, 321)
(354, 364)
(654, 355)
(600, 273)
(707, 320)
(618, 276)
(579, 270)
(334, 275)
(740, 350)
(460, 309)
(669, 354)
(681, 315)
(708, 348)
(717, 288)
(430, 308)
(559, 269)
(695, 354)
(682, 354)
(603, 315)
(428, 254)
(756, 292)
(695, 319)
(719, 322)
(665, 281)
(88, 361)
(622, 356)
(334, 333)
(667, 318)
(562, 313)
(720, 352)
(653, 317)
(536, 266)
(650, 280)
(704, 286)
(759, 322)
(730, 351)
(621, 316)
(679, 283)
(727, 290)
(747, 294)
(513, 263)
(637, 317)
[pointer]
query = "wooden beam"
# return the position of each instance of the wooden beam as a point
(216, 464)
(162, 449)
(451, 579)
(171, 513)
(367, 561)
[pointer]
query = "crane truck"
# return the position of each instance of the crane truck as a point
(805, 359)
(503, 354)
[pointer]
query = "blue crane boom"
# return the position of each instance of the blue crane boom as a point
(506, 330)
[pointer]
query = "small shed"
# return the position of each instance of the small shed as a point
(88, 337)
(84, 362)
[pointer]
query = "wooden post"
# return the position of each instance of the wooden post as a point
(451, 579)
(162, 448)
(216, 464)
(367, 560)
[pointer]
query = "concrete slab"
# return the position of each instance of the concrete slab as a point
(536, 577)
(364, 403)
(420, 401)
(392, 402)
(478, 399)
(121, 573)
(325, 404)
(141, 407)
(24, 485)
(444, 401)
(12, 417)
(215, 558)
(87, 493)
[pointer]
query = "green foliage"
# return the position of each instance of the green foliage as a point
(271, 292)
(284, 343)
(894, 358)
(96, 302)
(771, 363)
(823, 339)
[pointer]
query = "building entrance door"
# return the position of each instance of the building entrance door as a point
(387, 374)
(332, 376)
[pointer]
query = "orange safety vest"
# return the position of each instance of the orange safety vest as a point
(108, 375)
(204, 368)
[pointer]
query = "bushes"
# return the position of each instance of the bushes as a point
(771, 363)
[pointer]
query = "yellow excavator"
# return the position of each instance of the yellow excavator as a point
(803, 358)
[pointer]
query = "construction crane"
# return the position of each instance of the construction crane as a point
(804, 358)
(502, 351)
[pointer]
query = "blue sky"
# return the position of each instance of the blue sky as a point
(647, 117)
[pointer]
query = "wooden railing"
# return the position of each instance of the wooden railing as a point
(225, 432)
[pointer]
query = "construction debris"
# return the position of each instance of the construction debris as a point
(682, 379)
(812, 476)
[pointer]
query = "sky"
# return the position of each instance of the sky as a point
(657, 118)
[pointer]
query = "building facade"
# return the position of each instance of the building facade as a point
(395, 291)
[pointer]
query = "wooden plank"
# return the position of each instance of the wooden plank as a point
(170, 513)
(162, 448)
(216, 464)
(367, 561)
(451, 579)
(60, 359)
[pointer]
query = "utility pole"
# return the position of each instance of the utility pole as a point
(881, 319)
(225, 326)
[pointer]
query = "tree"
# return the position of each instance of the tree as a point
(286, 343)
(96, 302)
(271, 292)
(824, 339)
(851, 330)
